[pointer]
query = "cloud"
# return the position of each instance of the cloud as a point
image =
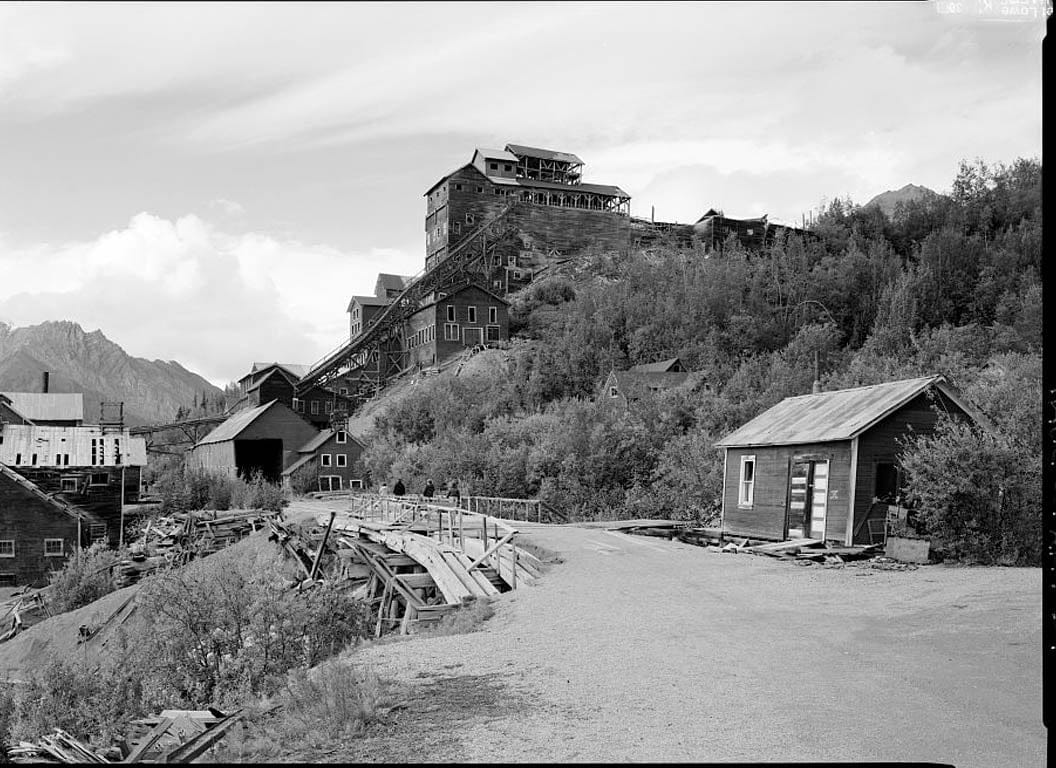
(227, 207)
(183, 290)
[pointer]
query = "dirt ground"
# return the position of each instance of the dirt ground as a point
(639, 649)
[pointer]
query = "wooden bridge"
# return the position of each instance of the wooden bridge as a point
(420, 560)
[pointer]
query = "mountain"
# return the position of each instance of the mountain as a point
(888, 200)
(151, 390)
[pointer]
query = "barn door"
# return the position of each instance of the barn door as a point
(808, 495)
(471, 337)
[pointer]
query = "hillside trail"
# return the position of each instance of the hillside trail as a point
(640, 649)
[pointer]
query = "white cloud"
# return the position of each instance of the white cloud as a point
(183, 290)
(227, 207)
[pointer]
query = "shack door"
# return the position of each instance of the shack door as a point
(808, 496)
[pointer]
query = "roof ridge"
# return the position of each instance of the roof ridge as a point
(935, 376)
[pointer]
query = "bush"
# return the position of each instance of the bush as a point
(84, 578)
(976, 494)
(184, 489)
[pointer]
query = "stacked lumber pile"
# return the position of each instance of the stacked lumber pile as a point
(804, 550)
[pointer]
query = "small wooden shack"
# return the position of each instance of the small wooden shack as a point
(264, 438)
(329, 459)
(816, 466)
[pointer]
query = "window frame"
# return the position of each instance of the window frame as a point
(7, 541)
(452, 332)
(746, 488)
(471, 314)
(314, 408)
(62, 548)
(325, 460)
(341, 438)
(493, 315)
(340, 459)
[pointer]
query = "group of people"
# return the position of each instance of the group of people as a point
(399, 489)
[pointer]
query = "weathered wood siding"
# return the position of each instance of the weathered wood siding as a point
(69, 446)
(214, 457)
(766, 518)
(881, 445)
(439, 349)
(28, 520)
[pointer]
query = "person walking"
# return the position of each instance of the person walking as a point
(429, 489)
(454, 493)
(398, 489)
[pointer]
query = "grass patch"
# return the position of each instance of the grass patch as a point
(467, 618)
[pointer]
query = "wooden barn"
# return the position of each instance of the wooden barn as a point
(821, 466)
(328, 459)
(265, 438)
(38, 532)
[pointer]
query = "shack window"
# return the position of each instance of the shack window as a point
(493, 333)
(342, 438)
(7, 548)
(746, 488)
(493, 166)
(342, 459)
(328, 407)
(97, 533)
(614, 392)
(472, 313)
(480, 190)
(18, 459)
(53, 547)
(298, 405)
(450, 313)
(458, 187)
(493, 315)
(99, 478)
(324, 459)
(507, 168)
(469, 216)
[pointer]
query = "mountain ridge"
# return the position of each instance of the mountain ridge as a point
(886, 201)
(89, 362)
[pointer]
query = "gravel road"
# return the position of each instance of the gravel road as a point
(639, 649)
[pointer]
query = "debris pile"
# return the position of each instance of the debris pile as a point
(173, 736)
(21, 611)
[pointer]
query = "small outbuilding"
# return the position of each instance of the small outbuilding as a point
(816, 466)
(326, 462)
(265, 438)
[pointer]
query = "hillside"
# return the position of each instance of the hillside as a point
(151, 390)
(887, 201)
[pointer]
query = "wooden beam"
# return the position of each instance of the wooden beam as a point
(490, 550)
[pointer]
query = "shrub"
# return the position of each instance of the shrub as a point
(84, 578)
(976, 494)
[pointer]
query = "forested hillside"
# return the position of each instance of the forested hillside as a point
(946, 284)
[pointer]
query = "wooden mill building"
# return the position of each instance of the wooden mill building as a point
(264, 439)
(813, 466)
(560, 213)
(277, 381)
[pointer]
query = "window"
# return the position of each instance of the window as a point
(324, 460)
(493, 315)
(18, 459)
(298, 405)
(99, 478)
(342, 391)
(456, 227)
(614, 392)
(507, 168)
(480, 189)
(96, 533)
(746, 487)
(69, 484)
(458, 187)
(342, 438)
(315, 407)
(65, 459)
(33, 461)
(328, 406)
(450, 313)
(493, 333)
(469, 216)
(58, 459)
(7, 548)
(53, 547)
(472, 314)
(451, 332)
(342, 459)
(117, 452)
(493, 166)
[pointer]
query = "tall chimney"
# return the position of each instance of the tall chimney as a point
(46, 377)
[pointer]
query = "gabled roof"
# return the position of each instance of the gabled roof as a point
(839, 415)
(631, 382)
(392, 282)
(277, 371)
(319, 441)
(297, 371)
(230, 429)
(48, 406)
(664, 366)
(495, 154)
(436, 297)
(368, 301)
(546, 154)
(297, 464)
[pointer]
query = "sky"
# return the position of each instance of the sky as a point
(210, 183)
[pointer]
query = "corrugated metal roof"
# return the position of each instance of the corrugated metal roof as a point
(826, 416)
(546, 154)
(231, 428)
(598, 189)
(48, 406)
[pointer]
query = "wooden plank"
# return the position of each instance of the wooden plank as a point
(417, 580)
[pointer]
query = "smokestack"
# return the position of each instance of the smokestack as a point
(46, 377)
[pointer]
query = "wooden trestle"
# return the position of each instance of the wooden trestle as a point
(425, 560)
